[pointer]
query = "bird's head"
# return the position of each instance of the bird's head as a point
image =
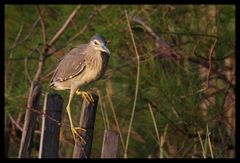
(98, 42)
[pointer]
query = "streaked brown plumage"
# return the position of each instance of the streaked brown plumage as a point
(82, 65)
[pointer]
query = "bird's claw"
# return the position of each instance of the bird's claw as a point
(76, 134)
(86, 95)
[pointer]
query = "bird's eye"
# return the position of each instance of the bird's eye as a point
(96, 43)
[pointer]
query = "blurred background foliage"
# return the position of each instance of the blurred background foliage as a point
(172, 88)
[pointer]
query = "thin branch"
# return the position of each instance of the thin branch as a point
(205, 64)
(150, 31)
(209, 142)
(63, 28)
(114, 116)
(26, 69)
(18, 126)
(47, 75)
(201, 142)
(76, 35)
(11, 54)
(40, 67)
(101, 107)
(83, 29)
(19, 42)
(21, 58)
(210, 60)
(16, 40)
(165, 133)
(42, 25)
(137, 83)
(14, 122)
(183, 131)
(189, 34)
(106, 115)
(156, 130)
(19, 34)
(209, 65)
(215, 59)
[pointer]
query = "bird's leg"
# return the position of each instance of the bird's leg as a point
(85, 95)
(74, 129)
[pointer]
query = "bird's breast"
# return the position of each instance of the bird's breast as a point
(95, 69)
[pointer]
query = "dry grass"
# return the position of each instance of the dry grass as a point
(137, 83)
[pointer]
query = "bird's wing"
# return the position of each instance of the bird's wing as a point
(71, 65)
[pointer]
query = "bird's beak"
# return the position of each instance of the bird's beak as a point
(104, 49)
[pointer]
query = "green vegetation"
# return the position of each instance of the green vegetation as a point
(171, 87)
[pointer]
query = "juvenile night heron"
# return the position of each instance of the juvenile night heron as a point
(82, 65)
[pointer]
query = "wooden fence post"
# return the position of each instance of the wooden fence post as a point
(110, 144)
(49, 143)
(30, 121)
(87, 119)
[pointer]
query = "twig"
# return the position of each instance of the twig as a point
(149, 30)
(156, 130)
(76, 35)
(11, 54)
(226, 94)
(101, 107)
(41, 61)
(165, 133)
(209, 66)
(162, 141)
(203, 150)
(210, 60)
(19, 42)
(16, 40)
(189, 34)
(166, 117)
(137, 82)
(115, 117)
(18, 126)
(209, 142)
(14, 122)
(48, 74)
(26, 69)
(83, 29)
(42, 25)
(195, 47)
(106, 115)
(62, 29)
(21, 58)
(205, 64)
(215, 59)
(161, 147)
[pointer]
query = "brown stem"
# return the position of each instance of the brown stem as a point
(42, 24)
(210, 60)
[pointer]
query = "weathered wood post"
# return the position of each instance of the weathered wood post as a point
(110, 144)
(49, 143)
(30, 121)
(87, 119)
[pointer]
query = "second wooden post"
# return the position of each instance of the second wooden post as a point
(87, 119)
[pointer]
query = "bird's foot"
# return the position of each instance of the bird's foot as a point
(76, 133)
(86, 95)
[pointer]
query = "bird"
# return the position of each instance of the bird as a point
(82, 65)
